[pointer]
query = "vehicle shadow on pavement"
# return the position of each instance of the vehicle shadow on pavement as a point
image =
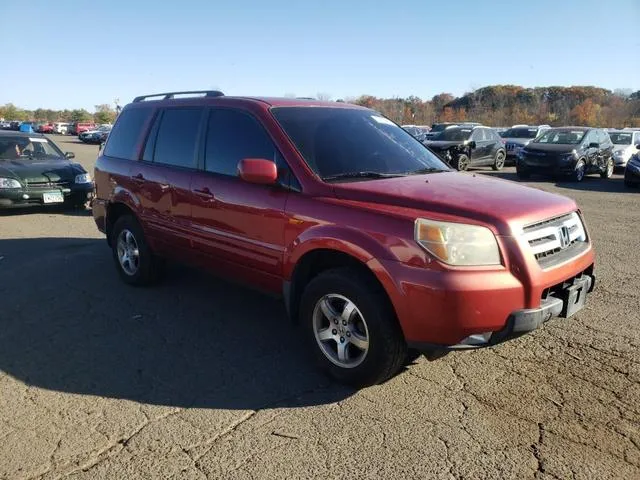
(67, 323)
(52, 210)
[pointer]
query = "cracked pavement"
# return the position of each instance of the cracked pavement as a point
(197, 378)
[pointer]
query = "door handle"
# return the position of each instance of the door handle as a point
(204, 193)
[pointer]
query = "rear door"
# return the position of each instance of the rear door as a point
(240, 226)
(164, 175)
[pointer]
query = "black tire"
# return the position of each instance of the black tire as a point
(608, 172)
(579, 171)
(498, 162)
(387, 350)
(461, 162)
(522, 173)
(149, 267)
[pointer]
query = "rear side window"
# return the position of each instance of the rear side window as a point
(176, 143)
(123, 139)
(232, 136)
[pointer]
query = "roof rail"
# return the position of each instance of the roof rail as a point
(170, 95)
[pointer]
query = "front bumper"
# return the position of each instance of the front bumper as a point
(551, 169)
(31, 197)
(465, 308)
(632, 173)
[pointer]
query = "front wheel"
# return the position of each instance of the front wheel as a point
(579, 171)
(498, 162)
(461, 163)
(608, 172)
(351, 328)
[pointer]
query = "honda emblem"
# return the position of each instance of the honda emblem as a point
(563, 237)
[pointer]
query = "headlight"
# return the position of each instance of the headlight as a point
(83, 178)
(458, 243)
(9, 183)
(570, 156)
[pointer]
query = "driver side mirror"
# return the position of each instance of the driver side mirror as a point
(638, 146)
(594, 145)
(258, 170)
(472, 144)
(69, 155)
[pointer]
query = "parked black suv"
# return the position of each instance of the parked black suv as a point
(569, 151)
(466, 146)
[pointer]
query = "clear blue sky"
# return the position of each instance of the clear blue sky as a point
(76, 54)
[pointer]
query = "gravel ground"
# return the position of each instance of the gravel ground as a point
(197, 378)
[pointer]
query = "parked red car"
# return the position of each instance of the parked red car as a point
(79, 127)
(46, 128)
(376, 246)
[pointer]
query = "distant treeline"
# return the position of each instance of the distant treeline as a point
(104, 114)
(505, 105)
(498, 105)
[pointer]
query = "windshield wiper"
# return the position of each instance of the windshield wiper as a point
(364, 174)
(422, 171)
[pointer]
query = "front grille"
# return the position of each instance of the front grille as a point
(556, 240)
(59, 184)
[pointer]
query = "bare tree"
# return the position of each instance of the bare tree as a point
(323, 97)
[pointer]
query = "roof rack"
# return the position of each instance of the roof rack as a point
(170, 95)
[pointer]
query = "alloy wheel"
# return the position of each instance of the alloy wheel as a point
(340, 330)
(128, 252)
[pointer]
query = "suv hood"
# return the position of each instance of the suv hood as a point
(552, 148)
(500, 203)
(517, 140)
(443, 144)
(40, 170)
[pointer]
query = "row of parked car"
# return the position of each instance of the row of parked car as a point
(534, 149)
(88, 132)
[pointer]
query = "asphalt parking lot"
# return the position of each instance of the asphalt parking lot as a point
(197, 378)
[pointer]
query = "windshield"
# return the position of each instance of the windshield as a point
(454, 134)
(341, 141)
(520, 133)
(19, 147)
(104, 128)
(561, 137)
(438, 127)
(621, 138)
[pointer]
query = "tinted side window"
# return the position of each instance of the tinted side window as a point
(176, 143)
(590, 137)
(477, 135)
(232, 136)
(603, 137)
(126, 133)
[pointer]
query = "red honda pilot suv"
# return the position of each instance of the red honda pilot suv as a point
(377, 247)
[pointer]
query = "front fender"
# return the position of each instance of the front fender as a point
(347, 240)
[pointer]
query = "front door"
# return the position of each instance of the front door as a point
(240, 226)
(591, 153)
(479, 153)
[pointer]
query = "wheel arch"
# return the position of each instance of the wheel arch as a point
(316, 261)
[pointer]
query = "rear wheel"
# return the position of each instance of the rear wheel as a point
(461, 163)
(498, 162)
(351, 328)
(579, 171)
(135, 262)
(608, 172)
